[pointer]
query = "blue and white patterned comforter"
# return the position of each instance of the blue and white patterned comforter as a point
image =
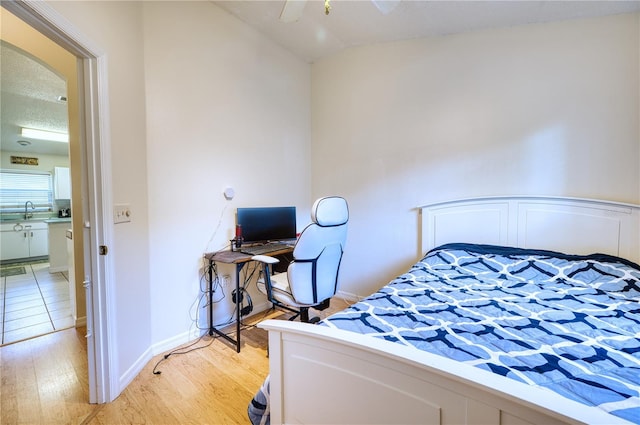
(567, 323)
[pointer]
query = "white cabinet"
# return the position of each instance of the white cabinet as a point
(61, 183)
(13, 244)
(58, 245)
(23, 240)
(38, 242)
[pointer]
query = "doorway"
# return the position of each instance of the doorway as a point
(36, 296)
(88, 215)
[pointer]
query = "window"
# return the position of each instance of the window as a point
(17, 188)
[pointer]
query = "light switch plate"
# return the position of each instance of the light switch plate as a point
(121, 213)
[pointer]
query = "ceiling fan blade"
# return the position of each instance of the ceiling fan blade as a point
(292, 10)
(385, 6)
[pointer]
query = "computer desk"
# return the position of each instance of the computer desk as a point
(239, 259)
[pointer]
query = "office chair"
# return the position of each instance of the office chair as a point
(311, 278)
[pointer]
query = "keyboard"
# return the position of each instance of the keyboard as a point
(264, 249)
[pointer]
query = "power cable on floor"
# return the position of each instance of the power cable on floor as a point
(187, 348)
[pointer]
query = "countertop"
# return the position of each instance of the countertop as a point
(15, 218)
(58, 220)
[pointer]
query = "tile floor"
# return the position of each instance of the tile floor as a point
(34, 303)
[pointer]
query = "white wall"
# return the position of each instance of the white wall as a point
(225, 107)
(542, 109)
(197, 102)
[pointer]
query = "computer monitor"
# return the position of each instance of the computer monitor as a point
(267, 223)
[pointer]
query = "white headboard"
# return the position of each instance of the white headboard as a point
(569, 225)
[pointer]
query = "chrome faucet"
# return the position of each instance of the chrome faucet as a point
(27, 215)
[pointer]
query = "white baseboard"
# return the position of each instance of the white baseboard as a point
(80, 321)
(348, 296)
(58, 269)
(155, 349)
(134, 370)
(176, 341)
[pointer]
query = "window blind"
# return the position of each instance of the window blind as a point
(17, 188)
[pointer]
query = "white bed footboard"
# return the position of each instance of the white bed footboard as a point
(321, 375)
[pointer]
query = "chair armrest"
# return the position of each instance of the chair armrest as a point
(265, 259)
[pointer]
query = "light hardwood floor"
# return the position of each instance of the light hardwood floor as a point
(44, 381)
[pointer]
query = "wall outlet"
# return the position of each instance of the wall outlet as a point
(226, 281)
(121, 213)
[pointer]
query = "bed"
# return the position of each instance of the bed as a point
(495, 324)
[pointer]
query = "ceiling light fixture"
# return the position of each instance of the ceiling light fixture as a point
(45, 135)
(23, 142)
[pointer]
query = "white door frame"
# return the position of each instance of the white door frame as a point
(96, 183)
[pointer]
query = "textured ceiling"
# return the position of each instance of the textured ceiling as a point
(29, 98)
(358, 22)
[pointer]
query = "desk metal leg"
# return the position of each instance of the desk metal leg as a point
(238, 317)
(213, 329)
